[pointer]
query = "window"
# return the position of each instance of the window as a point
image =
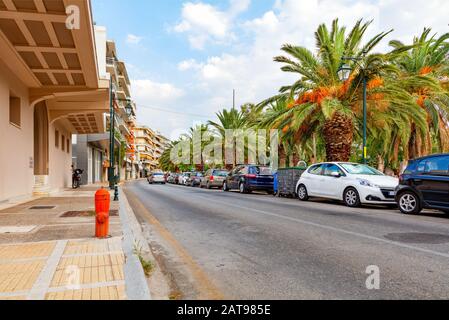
(63, 143)
(14, 110)
(263, 171)
(68, 145)
(438, 166)
(332, 168)
(220, 173)
(353, 168)
(57, 139)
(317, 170)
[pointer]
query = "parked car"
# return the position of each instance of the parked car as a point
(194, 179)
(248, 178)
(171, 178)
(183, 178)
(354, 184)
(177, 177)
(213, 178)
(424, 184)
(157, 177)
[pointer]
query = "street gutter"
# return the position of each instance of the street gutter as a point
(136, 282)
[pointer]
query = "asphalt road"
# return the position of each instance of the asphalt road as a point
(261, 247)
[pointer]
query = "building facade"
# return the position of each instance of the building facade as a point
(91, 152)
(149, 146)
(126, 163)
(50, 88)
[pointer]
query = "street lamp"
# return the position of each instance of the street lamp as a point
(129, 109)
(343, 74)
(112, 179)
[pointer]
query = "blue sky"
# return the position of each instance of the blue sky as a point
(185, 57)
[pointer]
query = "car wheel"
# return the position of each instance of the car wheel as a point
(409, 203)
(303, 195)
(242, 188)
(352, 198)
(225, 186)
(208, 185)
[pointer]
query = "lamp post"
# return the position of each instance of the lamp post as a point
(112, 180)
(344, 73)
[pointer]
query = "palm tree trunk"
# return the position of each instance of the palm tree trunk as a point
(315, 157)
(282, 157)
(338, 136)
(380, 163)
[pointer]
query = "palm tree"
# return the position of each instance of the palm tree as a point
(202, 132)
(322, 103)
(229, 120)
(165, 162)
(424, 71)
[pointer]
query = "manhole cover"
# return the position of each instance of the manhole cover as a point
(429, 238)
(42, 207)
(89, 213)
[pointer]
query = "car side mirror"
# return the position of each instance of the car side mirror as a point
(336, 174)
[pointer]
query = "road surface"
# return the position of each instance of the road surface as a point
(215, 244)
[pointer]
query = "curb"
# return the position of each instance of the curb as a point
(136, 282)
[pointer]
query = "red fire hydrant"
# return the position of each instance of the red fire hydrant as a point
(102, 205)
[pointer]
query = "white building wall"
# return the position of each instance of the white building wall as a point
(16, 144)
(100, 43)
(60, 162)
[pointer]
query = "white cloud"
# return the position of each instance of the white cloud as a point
(189, 65)
(133, 39)
(155, 94)
(248, 65)
(203, 22)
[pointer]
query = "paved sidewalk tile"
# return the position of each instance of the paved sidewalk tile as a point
(83, 270)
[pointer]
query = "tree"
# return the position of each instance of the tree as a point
(322, 104)
(229, 120)
(424, 70)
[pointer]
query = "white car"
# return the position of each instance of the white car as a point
(156, 177)
(354, 184)
(184, 178)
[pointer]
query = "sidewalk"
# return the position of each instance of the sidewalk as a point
(47, 251)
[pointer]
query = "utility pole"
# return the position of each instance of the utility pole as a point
(233, 98)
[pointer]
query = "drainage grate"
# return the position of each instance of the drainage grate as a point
(42, 207)
(88, 213)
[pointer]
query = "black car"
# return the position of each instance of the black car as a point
(248, 178)
(424, 184)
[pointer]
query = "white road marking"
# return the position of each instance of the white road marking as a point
(326, 227)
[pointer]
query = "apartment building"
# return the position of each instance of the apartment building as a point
(50, 88)
(91, 151)
(149, 145)
(125, 114)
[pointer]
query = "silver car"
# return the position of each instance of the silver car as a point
(213, 178)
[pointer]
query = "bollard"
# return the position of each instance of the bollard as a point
(102, 206)
(116, 193)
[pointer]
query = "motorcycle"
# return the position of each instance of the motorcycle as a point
(76, 178)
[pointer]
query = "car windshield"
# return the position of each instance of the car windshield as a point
(158, 174)
(362, 169)
(220, 173)
(263, 171)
